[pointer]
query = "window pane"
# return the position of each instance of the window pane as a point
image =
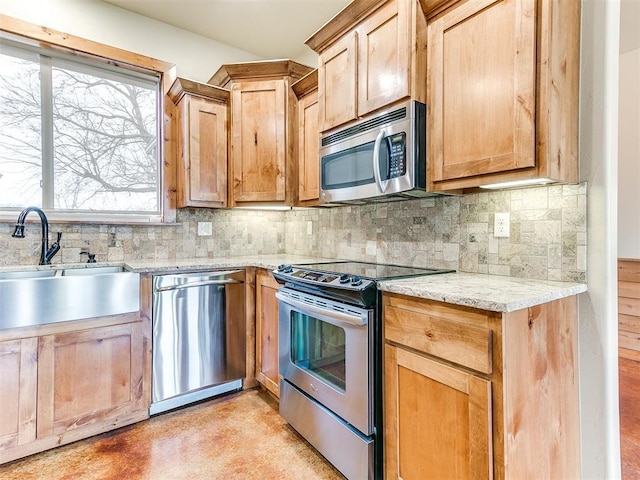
(105, 143)
(20, 133)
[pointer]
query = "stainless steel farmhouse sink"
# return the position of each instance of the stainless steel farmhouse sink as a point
(39, 297)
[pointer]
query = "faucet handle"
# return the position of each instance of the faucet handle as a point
(59, 237)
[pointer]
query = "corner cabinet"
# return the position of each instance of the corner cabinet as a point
(306, 89)
(202, 119)
(371, 55)
(262, 168)
(267, 371)
(510, 113)
(71, 380)
(476, 394)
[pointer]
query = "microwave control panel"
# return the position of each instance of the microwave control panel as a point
(397, 154)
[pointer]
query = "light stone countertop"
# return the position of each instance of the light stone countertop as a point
(261, 261)
(487, 292)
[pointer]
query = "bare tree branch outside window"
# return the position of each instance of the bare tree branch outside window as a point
(105, 141)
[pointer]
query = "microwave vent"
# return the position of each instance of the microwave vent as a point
(383, 119)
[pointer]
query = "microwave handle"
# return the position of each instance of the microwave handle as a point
(382, 184)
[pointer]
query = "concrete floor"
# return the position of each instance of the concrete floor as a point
(239, 436)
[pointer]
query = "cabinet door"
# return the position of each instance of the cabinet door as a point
(384, 57)
(267, 332)
(337, 82)
(258, 141)
(437, 420)
(203, 178)
(18, 384)
(89, 378)
(308, 149)
(481, 88)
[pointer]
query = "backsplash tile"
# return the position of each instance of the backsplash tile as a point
(548, 234)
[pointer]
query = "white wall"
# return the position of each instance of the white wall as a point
(629, 155)
(598, 325)
(196, 57)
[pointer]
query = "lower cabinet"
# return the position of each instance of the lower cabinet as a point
(66, 382)
(18, 386)
(267, 332)
(479, 395)
(453, 406)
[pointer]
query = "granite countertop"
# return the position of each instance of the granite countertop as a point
(261, 261)
(487, 292)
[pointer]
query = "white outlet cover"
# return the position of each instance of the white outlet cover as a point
(501, 224)
(205, 229)
(309, 227)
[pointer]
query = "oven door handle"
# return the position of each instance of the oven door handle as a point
(358, 321)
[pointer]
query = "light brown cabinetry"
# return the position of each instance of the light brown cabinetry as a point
(267, 332)
(88, 376)
(502, 88)
(66, 381)
(18, 386)
(370, 55)
(306, 89)
(476, 394)
(202, 119)
(262, 166)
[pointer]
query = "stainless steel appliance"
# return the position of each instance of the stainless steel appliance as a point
(330, 351)
(198, 337)
(380, 158)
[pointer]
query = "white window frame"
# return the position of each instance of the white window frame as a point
(30, 35)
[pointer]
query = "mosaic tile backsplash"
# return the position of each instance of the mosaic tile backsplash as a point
(548, 234)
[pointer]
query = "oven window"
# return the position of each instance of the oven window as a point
(319, 348)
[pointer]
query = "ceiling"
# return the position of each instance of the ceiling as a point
(268, 28)
(278, 28)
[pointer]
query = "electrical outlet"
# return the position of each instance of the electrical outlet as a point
(205, 229)
(501, 224)
(309, 227)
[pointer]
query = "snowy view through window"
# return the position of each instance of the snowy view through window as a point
(76, 138)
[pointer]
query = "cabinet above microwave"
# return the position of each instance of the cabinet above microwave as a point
(353, 81)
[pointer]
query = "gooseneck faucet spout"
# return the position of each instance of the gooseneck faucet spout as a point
(46, 253)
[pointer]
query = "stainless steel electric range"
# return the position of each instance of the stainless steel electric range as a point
(330, 351)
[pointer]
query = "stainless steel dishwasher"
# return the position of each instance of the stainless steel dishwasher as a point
(198, 337)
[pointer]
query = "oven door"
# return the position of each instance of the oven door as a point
(325, 351)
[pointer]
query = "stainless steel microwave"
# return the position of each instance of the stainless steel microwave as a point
(380, 158)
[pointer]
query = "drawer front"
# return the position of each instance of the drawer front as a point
(434, 328)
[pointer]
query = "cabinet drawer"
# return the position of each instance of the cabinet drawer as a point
(439, 330)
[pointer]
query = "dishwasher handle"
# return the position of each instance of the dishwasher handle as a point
(203, 283)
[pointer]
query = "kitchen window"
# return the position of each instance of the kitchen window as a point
(80, 139)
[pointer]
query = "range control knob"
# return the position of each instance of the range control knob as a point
(356, 280)
(344, 278)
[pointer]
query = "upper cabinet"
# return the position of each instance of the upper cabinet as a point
(370, 55)
(262, 166)
(502, 88)
(201, 143)
(306, 89)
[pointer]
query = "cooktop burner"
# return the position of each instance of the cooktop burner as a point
(345, 280)
(373, 271)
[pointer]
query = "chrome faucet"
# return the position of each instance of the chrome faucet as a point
(46, 253)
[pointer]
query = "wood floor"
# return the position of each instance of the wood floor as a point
(630, 418)
(239, 436)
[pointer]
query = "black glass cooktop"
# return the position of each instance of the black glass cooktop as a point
(373, 271)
